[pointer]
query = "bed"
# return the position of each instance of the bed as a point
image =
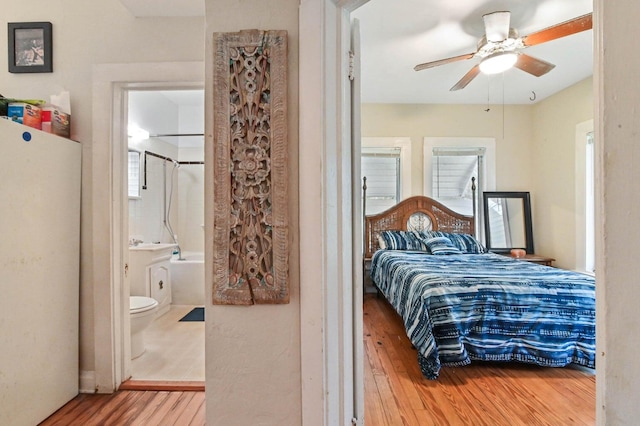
(460, 303)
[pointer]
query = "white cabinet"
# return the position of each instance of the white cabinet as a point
(149, 273)
(160, 283)
(39, 276)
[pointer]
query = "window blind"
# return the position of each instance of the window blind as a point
(452, 170)
(381, 167)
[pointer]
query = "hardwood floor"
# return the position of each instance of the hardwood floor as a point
(479, 394)
(132, 408)
(395, 391)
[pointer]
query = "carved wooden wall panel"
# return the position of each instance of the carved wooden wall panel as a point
(251, 241)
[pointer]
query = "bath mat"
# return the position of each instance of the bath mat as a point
(196, 314)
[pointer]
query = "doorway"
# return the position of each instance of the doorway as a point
(165, 203)
(402, 122)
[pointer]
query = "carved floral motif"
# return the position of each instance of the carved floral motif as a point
(250, 218)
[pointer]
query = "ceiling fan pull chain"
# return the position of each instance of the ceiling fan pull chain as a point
(488, 92)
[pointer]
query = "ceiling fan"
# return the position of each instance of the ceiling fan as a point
(500, 48)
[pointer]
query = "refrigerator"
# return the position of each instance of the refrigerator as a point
(39, 273)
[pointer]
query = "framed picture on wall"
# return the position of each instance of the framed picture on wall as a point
(30, 49)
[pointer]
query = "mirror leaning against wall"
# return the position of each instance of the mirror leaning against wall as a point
(507, 221)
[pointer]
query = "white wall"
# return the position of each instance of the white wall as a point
(87, 34)
(191, 178)
(617, 205)
(146, 214)
(253, 352)
(152, 109)
(191, 200)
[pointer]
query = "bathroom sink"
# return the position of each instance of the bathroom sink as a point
(153, 246)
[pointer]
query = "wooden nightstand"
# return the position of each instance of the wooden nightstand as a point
(534, 258)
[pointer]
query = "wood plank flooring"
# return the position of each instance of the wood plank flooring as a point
(479, 394)
(142, 408)
(395, 391)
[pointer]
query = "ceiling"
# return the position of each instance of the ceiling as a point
(167, 8)
(396, 35)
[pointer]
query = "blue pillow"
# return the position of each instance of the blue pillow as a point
(441, 245)
(466, 243)
(402, 240)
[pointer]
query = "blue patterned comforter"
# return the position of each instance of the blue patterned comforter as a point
(459, 308)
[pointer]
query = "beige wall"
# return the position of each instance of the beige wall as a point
(553, 159)
(513, 134)
(86, 34)
(535, 151)
(256, 349)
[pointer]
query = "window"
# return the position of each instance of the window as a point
(449, 165)
(585, 198)
(589, 215)
(134, 174)
(386, 163)
(453, 169)
(381, 167)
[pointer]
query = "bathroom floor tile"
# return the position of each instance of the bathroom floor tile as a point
(174, 349)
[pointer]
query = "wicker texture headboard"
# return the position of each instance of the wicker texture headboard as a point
(396, 217)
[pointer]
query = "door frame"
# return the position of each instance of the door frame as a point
(111, 326)
(329, 362)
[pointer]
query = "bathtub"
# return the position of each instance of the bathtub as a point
(187, 279)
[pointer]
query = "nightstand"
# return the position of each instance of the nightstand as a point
(534, 258)
(369, 287)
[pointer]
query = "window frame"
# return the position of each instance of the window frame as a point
(488, 183)
(139, 195)
(582, 131)
(404, 143)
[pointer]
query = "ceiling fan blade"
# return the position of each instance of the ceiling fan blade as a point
(426, 65)
(573, 26)
(473, 72)
(496, 26)
(533, 66)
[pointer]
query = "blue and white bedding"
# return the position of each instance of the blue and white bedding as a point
(462, 307)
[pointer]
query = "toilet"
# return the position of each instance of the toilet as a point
(142, 311)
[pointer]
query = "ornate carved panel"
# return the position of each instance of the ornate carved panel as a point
(251, 241)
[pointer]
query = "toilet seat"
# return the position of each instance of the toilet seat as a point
(138, 304)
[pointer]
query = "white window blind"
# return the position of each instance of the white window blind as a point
(452, 170)
(381, 167)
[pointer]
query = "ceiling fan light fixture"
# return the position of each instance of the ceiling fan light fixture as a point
(497, 26)
(498, 62)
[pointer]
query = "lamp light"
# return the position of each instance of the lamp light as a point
(498, 62)
(136, 133)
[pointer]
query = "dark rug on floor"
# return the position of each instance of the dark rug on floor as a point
(196, 314)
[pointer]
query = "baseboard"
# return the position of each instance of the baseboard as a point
(162, 385)
(87, 382)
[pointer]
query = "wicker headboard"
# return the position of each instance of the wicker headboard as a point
(396, 218)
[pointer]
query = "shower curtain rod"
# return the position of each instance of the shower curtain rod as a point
(176, 134)
(162, 157)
